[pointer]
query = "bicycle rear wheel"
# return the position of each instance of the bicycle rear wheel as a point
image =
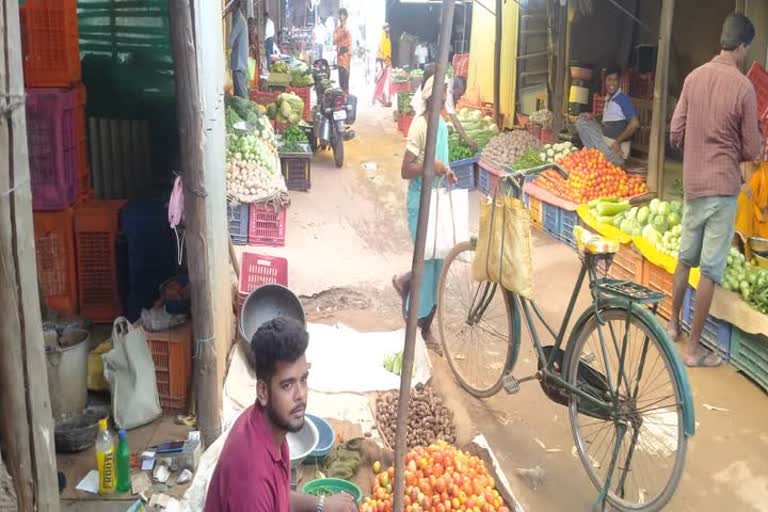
(478, 323)
(647, 431)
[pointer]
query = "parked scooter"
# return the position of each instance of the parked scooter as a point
(333, 115)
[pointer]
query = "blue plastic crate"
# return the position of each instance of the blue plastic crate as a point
(551, 220)
(568, 221)
(237, 218)
(717, 333)
(749, 353)
(484, 181)
(465, 173)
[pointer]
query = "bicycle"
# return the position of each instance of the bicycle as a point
(621, 409)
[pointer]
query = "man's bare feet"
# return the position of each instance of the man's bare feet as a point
(673, 330)
(702, 358)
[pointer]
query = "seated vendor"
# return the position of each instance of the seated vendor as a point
(253, 473)
(619, 123)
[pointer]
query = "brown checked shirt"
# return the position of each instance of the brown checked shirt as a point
(716, 123)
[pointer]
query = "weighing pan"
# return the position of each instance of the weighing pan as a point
(264, 304)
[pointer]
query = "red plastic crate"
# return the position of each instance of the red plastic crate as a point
(641, 85)
(172, 354)
(96, 229)
(266, 225)
(263, 97)
(598, 104)
(257, 270)
(53, 147)
(50, 43)
(658, 279)
(55, 253)
(305, 93)
(404, 123)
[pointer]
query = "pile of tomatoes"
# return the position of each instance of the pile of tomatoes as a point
(440, 478)
(590, 176)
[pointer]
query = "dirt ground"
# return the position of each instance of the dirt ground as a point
(347, 237)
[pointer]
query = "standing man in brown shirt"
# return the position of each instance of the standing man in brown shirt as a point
(716, 124)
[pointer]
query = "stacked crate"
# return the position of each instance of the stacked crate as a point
(57, 143)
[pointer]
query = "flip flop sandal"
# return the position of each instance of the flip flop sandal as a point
(707, 360)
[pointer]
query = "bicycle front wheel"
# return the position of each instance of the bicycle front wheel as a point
(478, 324)
(645, 431)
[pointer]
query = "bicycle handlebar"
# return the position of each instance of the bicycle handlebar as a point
(517, 177)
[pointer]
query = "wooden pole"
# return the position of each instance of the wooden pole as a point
(656, 152)
(26, 426)
(190, 125)
(418, 252)
(497, 60)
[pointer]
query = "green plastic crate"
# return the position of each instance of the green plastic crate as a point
(749, 353)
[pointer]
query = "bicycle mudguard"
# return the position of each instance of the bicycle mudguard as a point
(647, 316)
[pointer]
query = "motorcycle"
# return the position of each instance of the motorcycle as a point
(333, 115)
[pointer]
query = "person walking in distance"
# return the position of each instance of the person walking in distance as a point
(716, 124)
(269, 37)
(343, 41)
(238, 45)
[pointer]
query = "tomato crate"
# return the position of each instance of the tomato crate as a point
(172, 354)
(749, 353)
(465, 173)
(50, 43)
(53, 144)
(237, 220)
(266, 225)
(305, 93)
(568, 221)
(56, 263)
(716, 334)
(263, 97)
(96, 230)
(488, 177)
(536, 209)
(551, 220)
(627, 264)
(658, 279)
(257, 270)
(297, 171)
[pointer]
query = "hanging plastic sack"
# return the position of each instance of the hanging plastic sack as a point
(448, 221)
(504, 253)
(130, 371)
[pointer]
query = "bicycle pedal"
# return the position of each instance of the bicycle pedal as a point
(510, 384)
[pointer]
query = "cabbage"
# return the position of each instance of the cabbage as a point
(673, 219)
(643, 214)
(654, 206)
(663, 208)
(632, 214)
(676, 206)
(659, 223)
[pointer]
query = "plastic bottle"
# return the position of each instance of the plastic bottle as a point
(123, 463)
(105, 458)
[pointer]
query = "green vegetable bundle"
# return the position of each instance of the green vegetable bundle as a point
(528, 160)
(279, 67)
(394, 363)
(292, 147)
(458, 149)
(747, 279)
(294, 134)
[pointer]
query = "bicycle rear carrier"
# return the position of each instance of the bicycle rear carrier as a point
(633, 292)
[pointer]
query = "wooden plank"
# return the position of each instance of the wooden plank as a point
(658, 132)
(26, 426)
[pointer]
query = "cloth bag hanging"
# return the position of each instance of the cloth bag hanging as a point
(504, 253)
(130, 371)
(448, 221)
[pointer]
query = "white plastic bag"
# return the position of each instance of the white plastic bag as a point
(448, 221)
(130, 371)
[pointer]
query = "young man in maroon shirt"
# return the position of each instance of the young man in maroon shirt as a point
(716, 124)
(254, 470)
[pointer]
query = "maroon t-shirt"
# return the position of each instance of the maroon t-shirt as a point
(252, 474)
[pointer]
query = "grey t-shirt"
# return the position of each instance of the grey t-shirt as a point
(238, 43)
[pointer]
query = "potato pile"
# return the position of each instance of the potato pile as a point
(508, 147)
(429, 420)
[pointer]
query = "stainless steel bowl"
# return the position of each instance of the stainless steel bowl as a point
(759, 245)
(303, 442)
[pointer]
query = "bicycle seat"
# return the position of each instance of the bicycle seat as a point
(590, 243)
